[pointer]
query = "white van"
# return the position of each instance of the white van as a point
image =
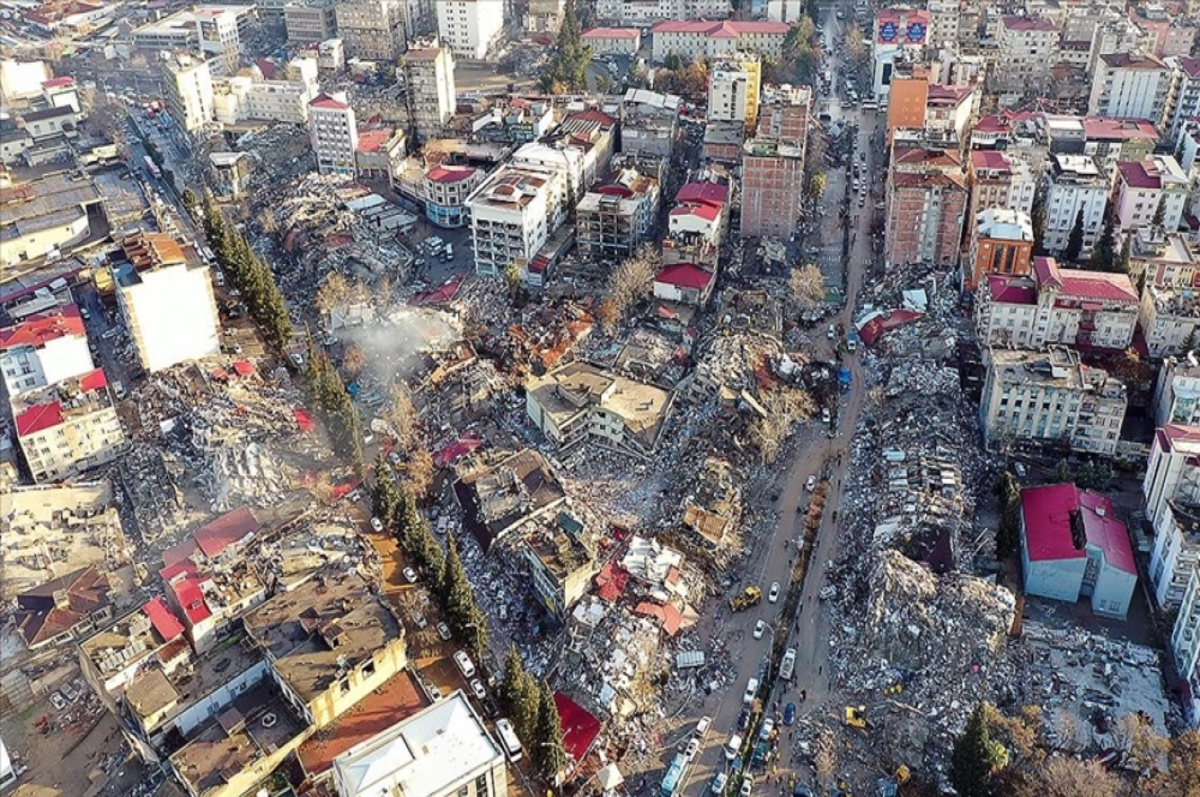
(508, 738)
(463, 662)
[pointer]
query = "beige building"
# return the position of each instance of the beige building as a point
(1170, 319)
(614, 41)
(734, 85)
(66, 428)
(1027, 47)
(188, 86)
(1167, 259)
(561, 555)
(544, 16)
(310, 21)
(613, 218)
(372, 30)
(1050, 397)
(582, 403)
(429, 78)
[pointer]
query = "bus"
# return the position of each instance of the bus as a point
(673, 782)
(152, 167)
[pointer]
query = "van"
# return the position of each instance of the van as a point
(448, 252)
(789, 664)
(508, 738)
(118, 390)
(463, 662)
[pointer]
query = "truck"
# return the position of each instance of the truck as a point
(151, 167)
(750, 596)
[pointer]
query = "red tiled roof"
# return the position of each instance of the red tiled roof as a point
(592, 115)
(1098, 285)
(1047, 511)
(372, 140)
(1128, 61)
(685, 275)
(711, 193)
(704, 211)
(992, 123)
(54, 83)
(878, 326)
(442, 174)
(228, 529)
(611, 33)
(451, 452)
(304, 420)
(328, 103)
(93, 380)
(1009, 291)
(191, 599)
(948, 94)
(723, 29)
(1136, 175)
(37, 330)
(1106, 128)
(990, 159)
(163, 619)
(1190, 67)
(38, 418)
(610, 582)
(1174, 433)
(579, 727)
(1030, 23)
(667, 615)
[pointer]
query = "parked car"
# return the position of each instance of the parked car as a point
(773, 595)
(410, 575)
(733, 747)
(703, 725)
(463, 662)
(789, 714)
(719, 781)
(811, 484)
(377, 524)
(751, 690)
(768, 725)
(747, 786)
(692, 748)
(57, 701)
(478, 690)
(760, 628)
(444, 631)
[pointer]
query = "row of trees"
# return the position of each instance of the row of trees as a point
(1105, 255)
(530, 704)
(998, 755)
(328, 397)
(250, 276)
(396, 508)
(1009, 530)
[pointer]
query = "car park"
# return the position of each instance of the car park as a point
(760, 628)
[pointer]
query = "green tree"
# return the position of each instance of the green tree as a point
(1074, 240)
(512, 279)
(1160, 213)
(971, 759)
(519, 694)
(1104, 253)
(415, 537)
(385, 498)
(549, 754)
(816, 185)
(458, 598)
(188, 198)
(801, 52)
(567, 70)
(1037, 217)
(1062, 472)
(1126, 257)
(1008, 531)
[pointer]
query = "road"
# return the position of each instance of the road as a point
(810, 634)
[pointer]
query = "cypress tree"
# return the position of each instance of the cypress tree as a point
(520, 695)
(971, 759)
(1104, 253)
(1075, 239)
(549, 754)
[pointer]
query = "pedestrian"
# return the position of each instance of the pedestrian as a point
(803, 695)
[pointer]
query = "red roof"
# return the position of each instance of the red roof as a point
(443, 293)
(328, 103)
(993, 123)
(990, 159)
(451, 452)
(1191, 67)
(1107, 128)
(667, 615)
(191, 599)
(611, 33)
(726, 29)
(372, 140)
(1030, 23)
(703, 210)
(39, 329)
(93, 380)
(1081, 284)
(243, 368)
(163, 619)
(441, 174)
(1140, 174)
(685, 275)
(709, 193)
(38, 418)
(230, 528)
(878, 326)
(610, 582)
(1174, 433)
(54, 83)
(1011, 291)
(304, 420)
(1047, 512)
(580, 728)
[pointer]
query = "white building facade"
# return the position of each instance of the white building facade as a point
(44, 349)
(333, 133)
(470, 27)
(171, 314)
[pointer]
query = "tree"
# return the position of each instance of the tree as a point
(549, 754)
(806, 286)
(1062, 472)
(1183, 768)
(189, 200)
(333, 405)
(1037, 218)
(1074, 240)
(1125, 259)
(801, 53)
(567, 70)
(354, 360)
(420, 470)
(385, 498)
(631, 281)
(816, 185)
(519, 694)
(334, 293)
(1060, 776)
(462, 613)
(512, 279)
(401, 415)
(415, 537)
(1104, 253)
(784, 408)
(1008, 531)
(1160, 213)
(971, 759)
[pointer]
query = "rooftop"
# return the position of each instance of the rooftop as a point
(45, 203)
(157, 688)
(328, 103)
(990, 159)
(611, 33)
(1105, 128)
(1081, 284)
(1030, 24)
(38, 330)
(1153, 173)
(55, 607)
(1178, 438)
(576, 387)
(1055, 514)
(52, 405)
(1130, 61)
(685, 275)
(228, 529)
(1011, 290)
(132, 639)
(561, 545)
(1004, 224)
(725, 29)
(511, 187)
(320, 628)
(507, 492)
(450, 174)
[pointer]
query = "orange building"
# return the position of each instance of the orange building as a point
(907, 100)
(1001, 243)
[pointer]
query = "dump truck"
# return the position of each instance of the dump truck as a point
(750, 596)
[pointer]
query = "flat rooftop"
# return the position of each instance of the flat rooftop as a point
(571, 389)
(153, 689)
(45, 203)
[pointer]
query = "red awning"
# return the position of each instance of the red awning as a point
(304, 420)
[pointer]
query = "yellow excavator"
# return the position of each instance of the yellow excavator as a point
(856, 717)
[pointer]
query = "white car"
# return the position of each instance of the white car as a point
(826, 415)
(767, 726)
(692, 748)
(703, 725)
(747, 786)
(718, 783)
(463, 662)
(751, 690)
(410, 575)
(831, 333)
(377, 524)
(811, 484)
(297, 359)
(760, 628)
(773, 595)
(477, 689)
(733, 747)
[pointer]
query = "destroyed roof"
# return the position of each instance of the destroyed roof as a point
(37, 330)
(669, 617)
(41, 615)
(580, 727)
(577, 387)
(498, 497)
(227, 530)
(1048, 513)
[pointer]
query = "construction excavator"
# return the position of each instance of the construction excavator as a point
(856, 717)
(750, 596)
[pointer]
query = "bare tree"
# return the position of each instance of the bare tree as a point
(401, 415)
(631, 281)
(1067, 729)
(1020, 733)
(1061, 776)
(354, 360)
(333, 293)
(420, 471)
(783, 409)
(825, 759)
(1135, 736)
(806, 286)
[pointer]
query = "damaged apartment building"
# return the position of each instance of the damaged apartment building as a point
(580, 403)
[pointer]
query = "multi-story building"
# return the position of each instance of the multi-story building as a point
(170, 311)
(1056, 306)
(444, 750)
(1149, 187)
(773, 168)
(217, 31)
(1171, 495)
(1001, 179)
(901, 35)
(561, 555)
(188, 86)
(1177, 391)
(380, 153)
(613, 218)
(1184, 101)
(614, 41)
(310, 21)
(581, 403)
(1074, 184)
(1130, 86)
(1185, 644)
(1164, 34)
(513, 214)
(1001, 244)
(545, 16)
(1050, 396)
(734, 84)
(237, 99)
(66, 428)
(696, 225)
(944, 22)
(648, 12)
(948, 110)
(429, 80)
(44, 349)
(1170, 319)
(446, 189)
(926, 206)
(581, 148)
(333, 133)
(470, 27)
(649, 122)
(1166, 259)
(331, 55)
(1026, 49)
(372, 30)
(701, 40)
